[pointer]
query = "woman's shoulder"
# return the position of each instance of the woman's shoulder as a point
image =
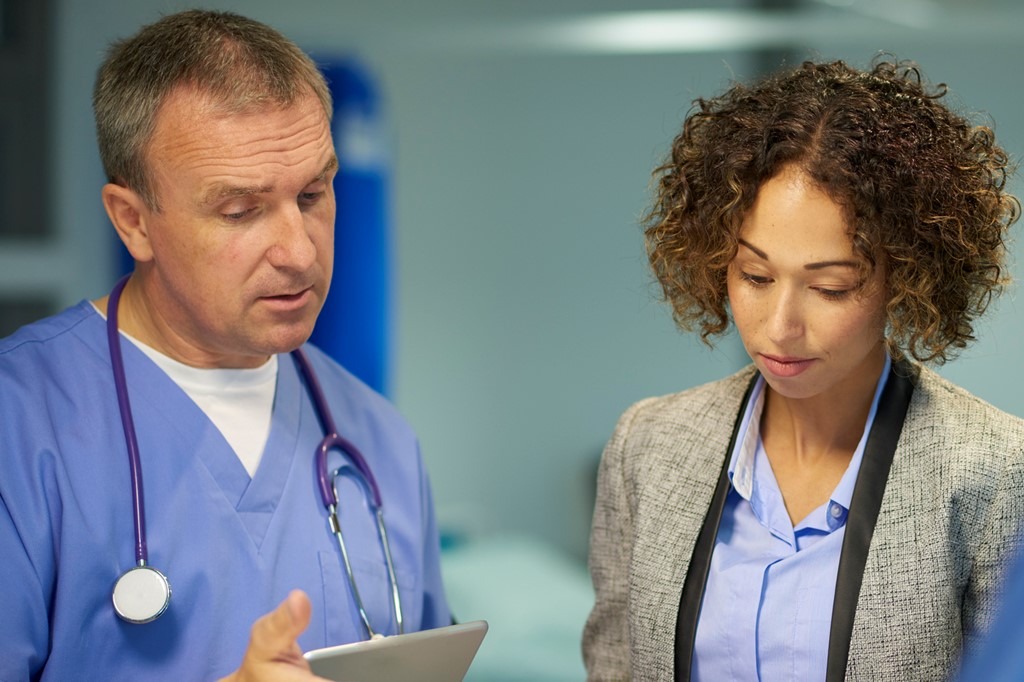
(946, 407)
(953, 439)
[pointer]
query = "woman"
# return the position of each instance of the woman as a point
(836, 509)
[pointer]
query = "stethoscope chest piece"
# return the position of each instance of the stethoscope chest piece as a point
(141, 594)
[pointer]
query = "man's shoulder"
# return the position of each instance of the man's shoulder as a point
(345, 391)
(48, 374)
(335, 374)
(48, 330)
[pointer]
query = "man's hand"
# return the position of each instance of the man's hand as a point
(273, 652)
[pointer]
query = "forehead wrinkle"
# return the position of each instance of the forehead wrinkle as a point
(202, 140)
(221, 190)
(180, 117)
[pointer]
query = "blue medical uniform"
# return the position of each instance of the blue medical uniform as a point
(232, 547)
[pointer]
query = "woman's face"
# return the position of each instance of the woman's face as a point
(811, 324)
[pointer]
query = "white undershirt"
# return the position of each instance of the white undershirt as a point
(239, 402)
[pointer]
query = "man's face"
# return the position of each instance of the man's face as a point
(243, 242)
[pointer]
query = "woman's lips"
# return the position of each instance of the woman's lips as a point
(785, 367)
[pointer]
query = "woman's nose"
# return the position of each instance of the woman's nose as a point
(785, 317)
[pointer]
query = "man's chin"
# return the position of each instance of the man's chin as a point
(288, 340)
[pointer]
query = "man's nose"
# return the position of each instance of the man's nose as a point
(293, 247)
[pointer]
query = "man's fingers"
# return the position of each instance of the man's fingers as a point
(274, 652)
(299, 609)
(274, 635)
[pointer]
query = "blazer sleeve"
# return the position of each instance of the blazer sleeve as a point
(606, 633)
(999, 542)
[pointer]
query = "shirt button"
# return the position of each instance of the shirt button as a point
(836, 511)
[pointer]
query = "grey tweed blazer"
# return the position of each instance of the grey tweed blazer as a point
(950, 520)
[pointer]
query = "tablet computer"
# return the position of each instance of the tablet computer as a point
(439, 655)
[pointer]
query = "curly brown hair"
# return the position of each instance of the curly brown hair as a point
(922, 187)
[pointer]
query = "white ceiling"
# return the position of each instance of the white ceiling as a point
(660, 26)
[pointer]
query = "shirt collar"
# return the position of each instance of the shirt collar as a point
(748, 437)
(741, 463)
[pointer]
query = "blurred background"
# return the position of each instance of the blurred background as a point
(498, 155)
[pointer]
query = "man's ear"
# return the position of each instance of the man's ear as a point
(129, 214)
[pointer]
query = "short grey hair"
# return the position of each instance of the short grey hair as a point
(239, 63)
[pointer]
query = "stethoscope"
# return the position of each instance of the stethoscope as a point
(142, 593)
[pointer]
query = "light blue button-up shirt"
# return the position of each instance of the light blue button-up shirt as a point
(767, 608)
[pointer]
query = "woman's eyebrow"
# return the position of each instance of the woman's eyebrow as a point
(758, 252)
(832, 264)
(818, 265)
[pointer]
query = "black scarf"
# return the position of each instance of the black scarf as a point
(860, 525)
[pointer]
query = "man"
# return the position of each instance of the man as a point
(215, 136)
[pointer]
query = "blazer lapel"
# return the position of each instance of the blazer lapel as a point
(867, 500)
(700, 561)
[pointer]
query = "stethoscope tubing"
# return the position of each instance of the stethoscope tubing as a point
(329, 493)
(332, 439)
(125, 408)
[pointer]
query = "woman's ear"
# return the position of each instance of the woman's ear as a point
(129, 214)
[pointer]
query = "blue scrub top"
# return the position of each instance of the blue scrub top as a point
(232, 547)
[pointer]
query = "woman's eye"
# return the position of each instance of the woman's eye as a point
(755, 280)
(833, 294)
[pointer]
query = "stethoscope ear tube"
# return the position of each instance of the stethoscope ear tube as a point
(396, 599)
(335, 525)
